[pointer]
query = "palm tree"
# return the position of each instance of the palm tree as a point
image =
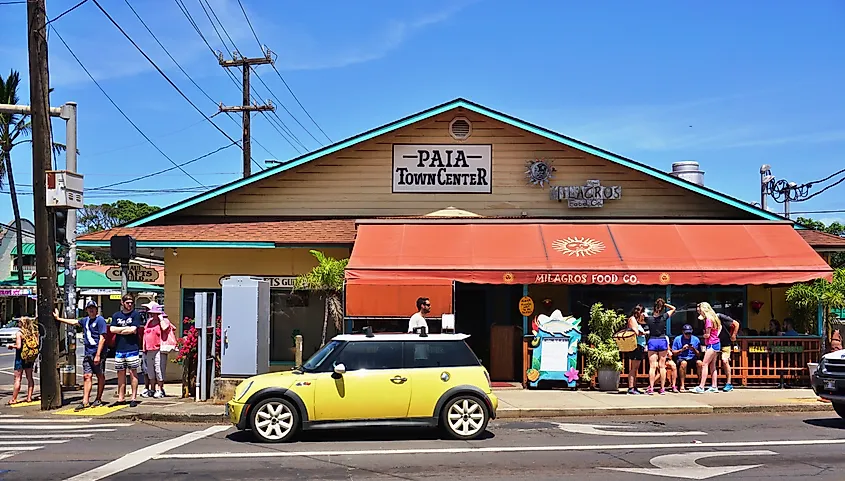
(12, 128)
(327, 279)
(806, 298)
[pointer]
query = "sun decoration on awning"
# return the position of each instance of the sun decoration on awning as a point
(578, 246)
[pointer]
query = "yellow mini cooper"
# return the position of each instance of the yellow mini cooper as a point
(357, 380)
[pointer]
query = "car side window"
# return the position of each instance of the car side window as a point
(371, 355)
(422, 354)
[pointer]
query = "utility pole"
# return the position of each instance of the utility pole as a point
(246, 107)
(45, 236)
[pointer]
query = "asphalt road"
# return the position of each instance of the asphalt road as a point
(7, 366)
(793, 446)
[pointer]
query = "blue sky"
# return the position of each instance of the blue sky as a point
(729, 84)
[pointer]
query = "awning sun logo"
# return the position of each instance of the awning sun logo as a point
(578, 246)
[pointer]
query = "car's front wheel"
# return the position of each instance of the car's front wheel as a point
(274, 420)
(465, 417)
(840, 409)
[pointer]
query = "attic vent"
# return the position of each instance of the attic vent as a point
(460, 128)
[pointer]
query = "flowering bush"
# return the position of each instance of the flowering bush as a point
(187, 345)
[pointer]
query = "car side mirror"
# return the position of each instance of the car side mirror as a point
(339, 368)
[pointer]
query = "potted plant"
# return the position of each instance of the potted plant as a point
(602, 355)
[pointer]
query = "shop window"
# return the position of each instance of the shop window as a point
(188, 302)
(439, 354)
(728, 301)
(371, 355)
(292, 314)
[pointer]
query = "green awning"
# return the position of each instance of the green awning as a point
(86, 279)
(28, 249)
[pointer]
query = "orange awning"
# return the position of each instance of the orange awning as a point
(594, 254)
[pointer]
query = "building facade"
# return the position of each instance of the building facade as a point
(474, 209)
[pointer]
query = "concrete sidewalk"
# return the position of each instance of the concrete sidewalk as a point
(512, 404)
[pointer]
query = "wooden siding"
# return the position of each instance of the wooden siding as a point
(356, 182)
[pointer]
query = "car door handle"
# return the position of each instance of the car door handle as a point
(398, 379)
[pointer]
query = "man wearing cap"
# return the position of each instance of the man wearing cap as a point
(93, 330)
(685, 349)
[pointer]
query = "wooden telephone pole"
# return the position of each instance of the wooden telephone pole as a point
(45, 235)
(246, 107)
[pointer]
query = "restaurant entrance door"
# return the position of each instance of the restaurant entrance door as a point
(478, 307)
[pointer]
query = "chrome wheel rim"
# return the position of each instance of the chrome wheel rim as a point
(466, 417)
(274, 420)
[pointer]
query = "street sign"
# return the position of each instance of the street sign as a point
(137, 273)
(685, 465)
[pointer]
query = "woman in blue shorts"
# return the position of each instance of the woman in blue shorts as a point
(658, 344)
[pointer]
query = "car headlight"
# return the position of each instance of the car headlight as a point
(243, 391)
(821, 369)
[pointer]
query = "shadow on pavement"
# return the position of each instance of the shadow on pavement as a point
(830, 423)
(360, 434)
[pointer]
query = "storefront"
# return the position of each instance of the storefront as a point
(474, 209)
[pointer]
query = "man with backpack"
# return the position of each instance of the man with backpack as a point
(126, 324)
(94, 339)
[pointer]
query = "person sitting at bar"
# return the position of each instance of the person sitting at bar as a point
(788, 330)
(727, 338)
(685, 350)
(836, 340)
(774, 328)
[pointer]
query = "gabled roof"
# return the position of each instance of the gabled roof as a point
(822, 240)
(426, 114)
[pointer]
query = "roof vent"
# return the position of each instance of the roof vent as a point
(460, 128)
(688, 170)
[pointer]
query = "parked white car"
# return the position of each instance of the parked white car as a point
(7, 333)
(829, 380)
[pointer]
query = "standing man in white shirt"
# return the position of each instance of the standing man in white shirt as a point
(418, 319)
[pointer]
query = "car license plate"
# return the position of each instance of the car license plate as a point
(830, 385)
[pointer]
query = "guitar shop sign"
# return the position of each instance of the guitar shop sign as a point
(442, 169)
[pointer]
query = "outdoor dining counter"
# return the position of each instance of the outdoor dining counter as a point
(756, 361)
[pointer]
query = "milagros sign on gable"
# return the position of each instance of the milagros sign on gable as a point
(447, 168)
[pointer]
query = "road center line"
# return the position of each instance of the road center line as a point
(144, 454)
(499, 449)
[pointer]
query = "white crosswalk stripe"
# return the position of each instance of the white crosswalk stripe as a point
(19, 435)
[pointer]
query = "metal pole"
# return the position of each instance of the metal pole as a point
(68, 112)
(45, 235)
(124, 278)
(786, 206)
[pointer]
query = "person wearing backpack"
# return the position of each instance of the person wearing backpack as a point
(26, 352)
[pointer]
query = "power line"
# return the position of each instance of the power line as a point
(65, 12)
(161, 72)
(20, 2)
(118, 107)
(826, 188)
(187, 14)
(147, 176)
(833, 211)
(827, 178)
(235, 47)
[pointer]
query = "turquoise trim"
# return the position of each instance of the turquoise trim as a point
(820, 320)
(525, 318)
(206, 244)
(457, 103)
(282, 363)
(669, 300)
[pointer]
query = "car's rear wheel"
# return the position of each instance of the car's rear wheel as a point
(274, 420)
(465, 417)
(840, 409)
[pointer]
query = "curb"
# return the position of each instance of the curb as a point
(200, 418)
(517, 413)
(775, 408)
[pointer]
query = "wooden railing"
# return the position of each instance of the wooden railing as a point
(759, 361)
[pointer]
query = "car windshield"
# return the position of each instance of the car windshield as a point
(317, 359)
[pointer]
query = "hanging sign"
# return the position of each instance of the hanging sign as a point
(137, 273)
(447, 168)
(590, 195)
(15, 292)
(526, 306)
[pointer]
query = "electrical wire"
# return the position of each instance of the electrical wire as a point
(822, 191)
(161, 72)
(833, 211)
(19, 2)
(190, 18)
(826, 178)
(147, 176)
(146, 137)
(258, 76)
(65, 12)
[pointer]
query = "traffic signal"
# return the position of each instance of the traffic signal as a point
(61, 226)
